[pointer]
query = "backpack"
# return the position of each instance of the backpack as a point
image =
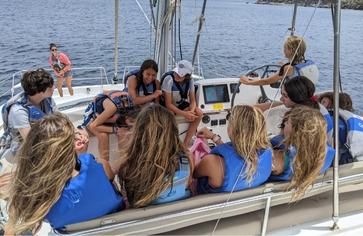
(6, 138)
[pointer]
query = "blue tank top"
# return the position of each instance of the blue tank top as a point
(289, 157)
(233, 163)
(179, 189)
(86, 196)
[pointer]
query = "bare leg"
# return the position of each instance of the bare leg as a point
(69, 85)
(193, 127)
(59, 86)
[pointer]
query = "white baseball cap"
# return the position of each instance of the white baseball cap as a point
(183, 68)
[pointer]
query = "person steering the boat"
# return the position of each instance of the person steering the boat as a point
(303, 153)
(25, 108)
(294, 51)
(61, 65)
(155, 167)
(243, 163)
(52, 184)
(108, 112)
(179, 93)
(142, 85)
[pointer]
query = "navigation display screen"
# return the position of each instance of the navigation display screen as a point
(215, 93)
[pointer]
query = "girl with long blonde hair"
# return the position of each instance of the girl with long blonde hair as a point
(51, 183)
(244, 162)
(155, 160)
(294, 50)
(306, 153)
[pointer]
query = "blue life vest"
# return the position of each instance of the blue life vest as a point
(86, 196)
(233, 163)
(289, 157)
(354, 138)
(122, 103)
(179, 189)
(147, 89)
(308, 69)
(328, 119)
(34, 114)
(183, 91)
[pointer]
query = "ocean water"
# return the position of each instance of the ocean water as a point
(238, 36)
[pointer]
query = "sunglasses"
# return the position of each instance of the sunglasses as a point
(54, 50)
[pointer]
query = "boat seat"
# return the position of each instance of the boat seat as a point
(208, 207)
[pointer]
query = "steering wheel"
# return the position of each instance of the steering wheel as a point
(262, 72)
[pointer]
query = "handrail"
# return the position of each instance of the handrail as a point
(102, 76)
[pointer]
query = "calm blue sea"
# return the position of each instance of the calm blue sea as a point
(237, 36)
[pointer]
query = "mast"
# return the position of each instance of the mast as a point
(163, 36)
(201, 21)
(292, 29)
(117, 3)
(337, 21)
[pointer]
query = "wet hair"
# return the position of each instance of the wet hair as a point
(128, 114)
(150, 168)
(301, 90)
(36, 81)
(292, 43)
(45, 163)
(345, 101)
(147, 64)
(308, 136)
(52, 45)
(249, 136)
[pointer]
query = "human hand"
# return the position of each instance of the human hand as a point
(81, 141)
(244, 80)
(157, 93)
(205, 133)
(189, 115)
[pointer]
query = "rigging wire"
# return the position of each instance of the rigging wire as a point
(179, 33)
(283, 79)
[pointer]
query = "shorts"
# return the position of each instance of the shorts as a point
(68, 74)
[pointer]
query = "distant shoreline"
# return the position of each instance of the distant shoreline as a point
(346, 4)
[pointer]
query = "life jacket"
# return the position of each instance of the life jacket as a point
(328, 119)
(123, 103)
(140, 84)
(86, 196)
(34, 114)
(289, 157)
(308, 69)
(233, 163)
(179, 188)
(183, 103)
(354, 138)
